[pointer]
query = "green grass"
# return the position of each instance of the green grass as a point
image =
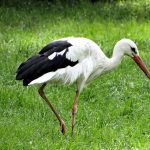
(113, 111)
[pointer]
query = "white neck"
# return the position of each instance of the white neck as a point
(115, 60)
(110, 64)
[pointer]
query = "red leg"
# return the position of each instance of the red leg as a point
(74, 109)
(42, 94)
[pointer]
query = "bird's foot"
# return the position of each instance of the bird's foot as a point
(63, 127)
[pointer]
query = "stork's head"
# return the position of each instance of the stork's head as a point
(128, 47)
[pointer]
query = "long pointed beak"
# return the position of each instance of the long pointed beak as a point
(141, 64)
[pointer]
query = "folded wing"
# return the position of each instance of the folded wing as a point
(51, 58)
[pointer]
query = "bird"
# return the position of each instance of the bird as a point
(74, 59)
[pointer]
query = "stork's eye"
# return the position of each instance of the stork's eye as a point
(133, 50)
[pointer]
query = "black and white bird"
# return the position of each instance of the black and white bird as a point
(70, 60)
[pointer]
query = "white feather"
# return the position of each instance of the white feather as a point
(62, 52)
(52, 56)
(46, 77)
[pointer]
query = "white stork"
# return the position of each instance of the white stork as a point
(71, 60)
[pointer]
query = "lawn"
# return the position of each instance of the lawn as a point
(113, 111)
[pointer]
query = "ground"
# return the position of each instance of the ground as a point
(113, 111)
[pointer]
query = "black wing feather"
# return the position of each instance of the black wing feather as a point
(56, 46)
(25, 65)
(40, 64)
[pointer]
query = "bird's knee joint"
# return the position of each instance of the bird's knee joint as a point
(74, 110)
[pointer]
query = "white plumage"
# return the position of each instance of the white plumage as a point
(70, 60)
(87, 53)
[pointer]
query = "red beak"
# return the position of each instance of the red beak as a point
(141, 64)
